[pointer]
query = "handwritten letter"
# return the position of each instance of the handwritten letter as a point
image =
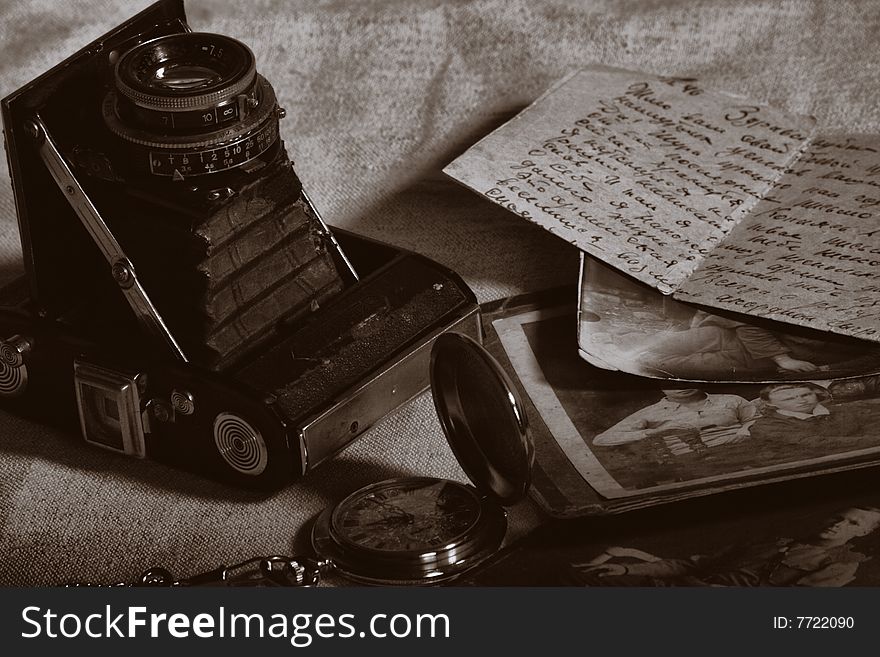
(809, 253)
(648, 174)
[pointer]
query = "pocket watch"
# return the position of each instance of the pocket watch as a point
(423, 530)
(417, 530)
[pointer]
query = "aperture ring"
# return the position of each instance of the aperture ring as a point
(201, 162)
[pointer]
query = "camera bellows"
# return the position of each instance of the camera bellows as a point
(224, 278)
(266, 261)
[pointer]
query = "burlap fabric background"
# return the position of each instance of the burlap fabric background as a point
(379, 96)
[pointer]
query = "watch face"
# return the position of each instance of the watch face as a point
(407, 516)
(415, 530)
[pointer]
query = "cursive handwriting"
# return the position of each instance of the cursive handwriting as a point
(650, 174)
(819, 253)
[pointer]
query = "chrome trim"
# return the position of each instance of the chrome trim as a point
(121, 267)
(124, 390)
(325, 434)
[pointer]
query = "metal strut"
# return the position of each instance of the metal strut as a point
(121, 267)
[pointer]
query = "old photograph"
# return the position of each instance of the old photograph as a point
(796, 536)
(829, 551)
(625, 325)
(630, 436)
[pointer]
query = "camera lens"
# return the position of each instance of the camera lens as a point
(186, 71)
(182, 77)
(195, 101)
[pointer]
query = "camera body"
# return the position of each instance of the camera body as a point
(183, 300)
(174, 139)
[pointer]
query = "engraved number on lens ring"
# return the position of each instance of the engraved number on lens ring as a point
(240, 445)
(13, 380)
(223, 158)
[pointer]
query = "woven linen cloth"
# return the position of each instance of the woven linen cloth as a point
(379, 97)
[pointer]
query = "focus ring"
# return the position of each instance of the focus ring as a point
(199, 140)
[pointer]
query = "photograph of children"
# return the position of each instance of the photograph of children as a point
(628, 435)
(628, 326)
(798, 533)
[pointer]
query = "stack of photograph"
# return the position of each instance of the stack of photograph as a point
(724, 330)
(638, 399)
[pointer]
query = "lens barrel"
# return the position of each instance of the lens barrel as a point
(194, 71)
(191, 104)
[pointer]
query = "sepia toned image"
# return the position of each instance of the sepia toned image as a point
(828, 553)
(628, 326)
(367, 293)
(630, 436)
(792, 534)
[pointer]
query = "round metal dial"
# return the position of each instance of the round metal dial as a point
(410, 530)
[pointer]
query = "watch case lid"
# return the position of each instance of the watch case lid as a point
(483, 417)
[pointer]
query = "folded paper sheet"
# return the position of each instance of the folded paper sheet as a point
(710, 197)
(809, 252)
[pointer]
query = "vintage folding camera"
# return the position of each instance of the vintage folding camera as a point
(183, 300)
